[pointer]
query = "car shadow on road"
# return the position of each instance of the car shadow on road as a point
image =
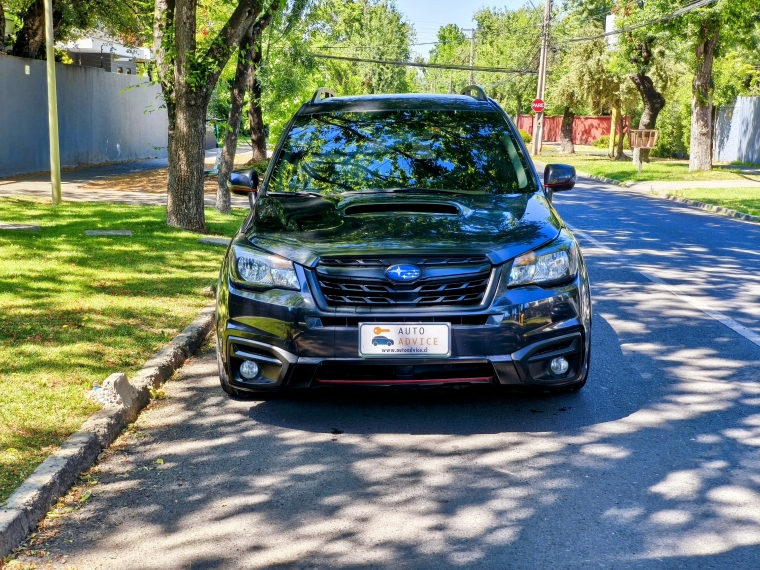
(654, 473)
(463, 411)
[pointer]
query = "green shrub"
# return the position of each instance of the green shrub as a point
(525, 136)
(604, 142)
(260, 167)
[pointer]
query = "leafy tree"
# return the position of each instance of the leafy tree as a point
(639, 53)
(249, 60)
(452, 48)
(249, 55)
(2, 27)
(707, 33)
(510, 39)
(590, 11)
(188, 65)
(585, 79)
(362, 29)
(122, 18)
(289, 74)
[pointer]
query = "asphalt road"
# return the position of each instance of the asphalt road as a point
(655, 464)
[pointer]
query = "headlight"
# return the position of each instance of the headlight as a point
(554, 263)
(264, 270)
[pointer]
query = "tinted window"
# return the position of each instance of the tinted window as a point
(463, 151)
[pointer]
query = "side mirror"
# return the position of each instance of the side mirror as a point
(245, 183)
(559, 177)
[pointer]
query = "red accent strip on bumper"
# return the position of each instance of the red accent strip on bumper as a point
(478, 380)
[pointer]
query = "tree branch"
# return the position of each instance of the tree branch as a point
(163, 30)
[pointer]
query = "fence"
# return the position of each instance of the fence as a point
(737, 132)
(585, 129)
(102, 117)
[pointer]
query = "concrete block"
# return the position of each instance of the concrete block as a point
(116, 392)
(19, 227)
(223, 242)
(108, 232)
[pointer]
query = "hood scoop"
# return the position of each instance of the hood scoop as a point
(394, 208)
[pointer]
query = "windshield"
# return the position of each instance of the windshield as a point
(458, 151)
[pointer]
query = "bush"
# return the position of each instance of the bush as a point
(604, 142)
(260, 167)
(525, 136)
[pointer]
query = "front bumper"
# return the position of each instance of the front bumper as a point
(299, 343)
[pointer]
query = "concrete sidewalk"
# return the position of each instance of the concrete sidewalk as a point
(657, 187)
(72, 183)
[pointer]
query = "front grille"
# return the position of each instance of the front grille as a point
(445, 281)
(466, 320)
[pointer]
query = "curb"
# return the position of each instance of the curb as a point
(710, 207)
(29, 504)
(685, 201)
(604, 179)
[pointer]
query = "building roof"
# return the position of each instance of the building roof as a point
(92, 44)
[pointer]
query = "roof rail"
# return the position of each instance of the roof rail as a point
(322, 93)
(480, 95)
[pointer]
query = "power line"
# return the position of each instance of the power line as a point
(430, 65)
(680, 12)
(377, 47)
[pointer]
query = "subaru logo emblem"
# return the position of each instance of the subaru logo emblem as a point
(403, 273)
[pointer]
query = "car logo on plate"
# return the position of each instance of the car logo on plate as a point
(403, 273)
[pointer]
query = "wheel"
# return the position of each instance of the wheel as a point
(374, 343)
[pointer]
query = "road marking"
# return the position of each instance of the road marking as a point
(698, 304)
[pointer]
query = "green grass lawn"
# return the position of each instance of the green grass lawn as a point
(745, 200)
(626, 171)
(74, 309)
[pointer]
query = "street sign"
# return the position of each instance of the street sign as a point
(537, 105)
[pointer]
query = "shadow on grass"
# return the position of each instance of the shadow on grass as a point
(74, 309)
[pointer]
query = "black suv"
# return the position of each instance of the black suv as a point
(402, 239)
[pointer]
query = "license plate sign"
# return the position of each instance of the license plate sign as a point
(415, 340)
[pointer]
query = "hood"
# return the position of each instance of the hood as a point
(304, 228)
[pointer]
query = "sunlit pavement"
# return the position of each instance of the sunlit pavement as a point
(655, 464)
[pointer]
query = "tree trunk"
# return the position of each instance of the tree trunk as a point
(566, 132)
(187, 80)
(255, 116)
(185, 203)
(613, 132)
(654, 102)
(519, 106)
(700, 154)
(243, 70)
(2, 27)
(30, 39)
(619, 154)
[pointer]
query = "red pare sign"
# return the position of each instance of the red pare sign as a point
(537, 105)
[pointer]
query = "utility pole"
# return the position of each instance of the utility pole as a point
(55, 156)
(538, 120)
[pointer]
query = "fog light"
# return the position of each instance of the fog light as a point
(250, 370)
(559, 365)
